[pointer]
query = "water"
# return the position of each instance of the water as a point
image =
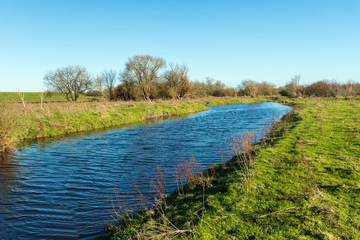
(60, 189)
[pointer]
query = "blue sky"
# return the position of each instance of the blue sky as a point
(226, 40)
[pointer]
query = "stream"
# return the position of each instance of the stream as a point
(60, 189)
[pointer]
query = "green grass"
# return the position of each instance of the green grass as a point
(227, 101)
(64, 118)
(304, 184)
(35, 97)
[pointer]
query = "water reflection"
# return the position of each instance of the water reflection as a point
(59, 189)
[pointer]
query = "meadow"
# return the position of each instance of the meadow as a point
(300, 182)
(36, 97)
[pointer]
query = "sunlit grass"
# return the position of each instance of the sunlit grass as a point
(304, 184)
(36, 97)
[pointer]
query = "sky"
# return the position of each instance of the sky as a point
(230, 41)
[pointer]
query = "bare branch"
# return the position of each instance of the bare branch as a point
(70, 81)
(142, 70)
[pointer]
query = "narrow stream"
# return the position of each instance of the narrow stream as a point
(60, 189)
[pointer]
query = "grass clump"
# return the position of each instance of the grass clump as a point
(302, 182)
(9, 126)
(210, 102)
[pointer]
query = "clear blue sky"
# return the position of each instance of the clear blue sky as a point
(230, 41)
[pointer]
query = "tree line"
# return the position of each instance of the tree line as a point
(146, 78)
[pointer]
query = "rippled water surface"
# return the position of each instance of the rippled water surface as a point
(60, 190)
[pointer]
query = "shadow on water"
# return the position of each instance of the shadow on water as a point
(59, 188)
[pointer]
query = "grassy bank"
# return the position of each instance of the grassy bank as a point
(54, 119)
(210, 102)
(34, 121)
(301, 183)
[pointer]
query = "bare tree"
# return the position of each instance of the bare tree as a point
(209, 85)
(266, 89)
(198, 89)
(218, 89)
(177, 81)
(108, 78)
(249, 88)
(292, 86)
(70, 81)
(295, 80)
(98, 84)
(142, 70)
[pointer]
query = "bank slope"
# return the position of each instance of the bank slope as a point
(303, 183)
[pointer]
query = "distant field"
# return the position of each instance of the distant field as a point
(35, 97)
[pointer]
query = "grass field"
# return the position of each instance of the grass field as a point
(301, 183)
(35, 97)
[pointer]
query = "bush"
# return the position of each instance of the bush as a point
(94, 93)
(323, 88)
(127, 91)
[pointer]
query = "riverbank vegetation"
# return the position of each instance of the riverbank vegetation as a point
(299, 182)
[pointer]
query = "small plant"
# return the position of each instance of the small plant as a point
(8, 126)
(22, 97)
(241, 148)
(189, 172)
(43, 95)
(120, 208)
